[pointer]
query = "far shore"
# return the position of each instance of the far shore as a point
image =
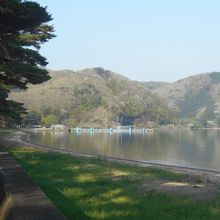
(115, 129)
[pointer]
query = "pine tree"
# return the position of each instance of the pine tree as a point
(23, 28)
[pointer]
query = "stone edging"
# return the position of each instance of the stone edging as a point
(22, 199)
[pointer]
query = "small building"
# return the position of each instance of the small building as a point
(58, 126)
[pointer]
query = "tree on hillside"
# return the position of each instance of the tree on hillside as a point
(33, 118)
(49, 120)
(23, 28)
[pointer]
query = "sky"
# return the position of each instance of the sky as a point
(145, 40)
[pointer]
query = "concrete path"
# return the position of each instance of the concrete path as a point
(25, 199)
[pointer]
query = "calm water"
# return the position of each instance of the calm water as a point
(200, 149)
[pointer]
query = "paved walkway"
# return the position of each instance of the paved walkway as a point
(28, 202)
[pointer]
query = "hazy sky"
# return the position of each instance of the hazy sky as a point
(141, 39)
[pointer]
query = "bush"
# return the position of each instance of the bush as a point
(49, 120)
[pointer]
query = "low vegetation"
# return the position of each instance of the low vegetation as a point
(85, 188)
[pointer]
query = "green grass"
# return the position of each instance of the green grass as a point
(96, 189)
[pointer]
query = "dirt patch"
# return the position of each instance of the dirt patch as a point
(191, 186)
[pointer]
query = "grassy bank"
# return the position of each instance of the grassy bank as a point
(95, 189)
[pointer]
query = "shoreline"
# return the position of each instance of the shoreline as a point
(206, 174)
(138, 128)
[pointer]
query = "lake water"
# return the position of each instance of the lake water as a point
(198, 149)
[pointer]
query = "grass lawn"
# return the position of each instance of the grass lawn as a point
(96, 189)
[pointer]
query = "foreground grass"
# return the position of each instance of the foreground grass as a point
(95, 189)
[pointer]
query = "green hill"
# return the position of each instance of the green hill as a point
(197, 97)
(95, 97)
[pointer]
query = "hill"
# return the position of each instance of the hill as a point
(197, 97)
(95, 97)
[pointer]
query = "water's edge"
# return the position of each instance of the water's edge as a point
(21, 138)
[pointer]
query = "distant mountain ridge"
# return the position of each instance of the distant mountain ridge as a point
(196, 96)
(96, 97)
(100, 97)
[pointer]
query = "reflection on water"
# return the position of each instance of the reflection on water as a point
(199, 149)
